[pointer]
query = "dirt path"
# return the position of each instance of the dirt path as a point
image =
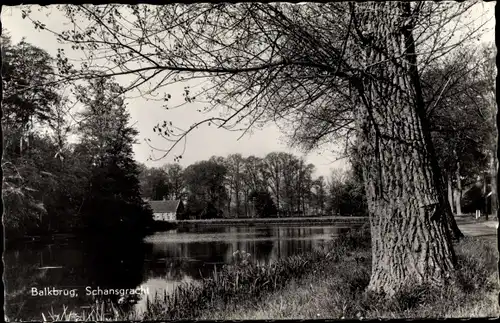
(478, 228)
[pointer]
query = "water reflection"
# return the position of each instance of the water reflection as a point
(186, 254)
(158, 264)
(36, 276)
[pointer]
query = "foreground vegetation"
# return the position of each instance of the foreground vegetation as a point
(336, 290)
(327, 283)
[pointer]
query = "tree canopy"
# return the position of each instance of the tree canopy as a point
(282, 62)
(53, 185)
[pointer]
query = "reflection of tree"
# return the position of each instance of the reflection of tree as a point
(294, 240)
(106, 264)
(176, 260)
(168, 265)
(201, 229)
(20, 273)
(263, 250)
(24, 270)
(115, 264)
(299, 245)
(128, 263)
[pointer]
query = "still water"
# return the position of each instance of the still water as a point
(41, 278)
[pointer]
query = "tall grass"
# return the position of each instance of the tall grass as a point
(98, 312)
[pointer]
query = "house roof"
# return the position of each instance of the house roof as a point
(164, 206)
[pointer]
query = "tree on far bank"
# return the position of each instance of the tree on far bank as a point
(461, 119)
(346, 195)
(319, 196)
(205, 185)
(115, 200)
(165, 182)
(154, 183)
(263, 204)
(175, 179)
(488, 74)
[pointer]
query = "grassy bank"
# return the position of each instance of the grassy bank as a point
(337, 291)
(328, 283)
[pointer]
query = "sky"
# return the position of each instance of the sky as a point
(205, 141)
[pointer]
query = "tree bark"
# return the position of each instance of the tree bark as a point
(450, 192)
(411, 241)
(449, 219)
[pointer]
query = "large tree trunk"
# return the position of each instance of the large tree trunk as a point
(411, 242)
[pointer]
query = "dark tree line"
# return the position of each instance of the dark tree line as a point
(280, 184)
(52, 184)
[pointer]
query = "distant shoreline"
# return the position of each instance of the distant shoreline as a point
(171, 225)
(255, 221)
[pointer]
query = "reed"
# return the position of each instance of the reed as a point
(98, 311)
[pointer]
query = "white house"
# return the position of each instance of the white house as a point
(166, 210)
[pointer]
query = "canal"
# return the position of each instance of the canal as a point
(40, 278)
